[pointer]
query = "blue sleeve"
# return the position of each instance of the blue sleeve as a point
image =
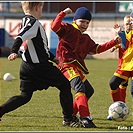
(51, 56)
(123, 37)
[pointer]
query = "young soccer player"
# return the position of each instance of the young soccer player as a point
(119, 82)
(73, 47)
(36, 71)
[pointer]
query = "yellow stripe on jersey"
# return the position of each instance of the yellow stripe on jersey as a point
(121, 76)
(127, 64)
(128, 35)
(73, 62)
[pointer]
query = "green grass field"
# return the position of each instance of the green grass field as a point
(43, 112)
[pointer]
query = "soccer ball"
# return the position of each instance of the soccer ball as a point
(7, 77)
(118, 111)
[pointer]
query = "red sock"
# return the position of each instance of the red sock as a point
(123, 94)
(82, 105)
(75, 108)
(115, 95)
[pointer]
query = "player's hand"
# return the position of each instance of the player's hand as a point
(67, 11)
(12, 56)
(117, 28)
(56, 60)
(118, 40)
(113, 49)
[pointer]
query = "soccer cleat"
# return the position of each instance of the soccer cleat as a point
(72, 123)
(75, 122)
(66, 123)
(109, 118)
(87, 123)
(89, 117)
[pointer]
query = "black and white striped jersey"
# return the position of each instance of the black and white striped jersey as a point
(32, 42)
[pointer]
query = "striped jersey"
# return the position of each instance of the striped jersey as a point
(127, 56)
(31, 42)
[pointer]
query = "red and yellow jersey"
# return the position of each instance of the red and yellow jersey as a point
(74, 45)
(126, 56)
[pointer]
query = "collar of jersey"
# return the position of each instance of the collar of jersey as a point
(128, 35)
(75, 26)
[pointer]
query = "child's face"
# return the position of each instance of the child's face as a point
(82, 24)
(127, 24)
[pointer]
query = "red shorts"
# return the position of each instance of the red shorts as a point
(123, 74)
(71, 71)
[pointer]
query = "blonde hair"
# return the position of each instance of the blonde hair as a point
(127, 17)
(29, 6)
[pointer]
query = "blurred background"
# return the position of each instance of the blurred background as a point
(105, 15)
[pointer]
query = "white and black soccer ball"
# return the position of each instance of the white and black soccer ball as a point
(118, 111)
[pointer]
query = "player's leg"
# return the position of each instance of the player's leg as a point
(80, 97)
(76, 79)
(89, 90)
(26, 87)
(72, 73)
(114, 87)
(15, 102)
(123, 87)
(66, 99)
(81, 102)
(115, 90)
(118, 90)
(117, 82)
(87, 121)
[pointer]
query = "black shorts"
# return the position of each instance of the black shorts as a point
(40, 76)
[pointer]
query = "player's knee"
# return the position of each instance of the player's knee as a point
(26, 96)
(89, 93)
(113, 85)
(66, 85)
(89, 90)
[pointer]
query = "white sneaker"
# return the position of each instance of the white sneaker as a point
(109, 118)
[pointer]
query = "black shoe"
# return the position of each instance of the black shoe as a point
(72, 123)
(87, 123)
